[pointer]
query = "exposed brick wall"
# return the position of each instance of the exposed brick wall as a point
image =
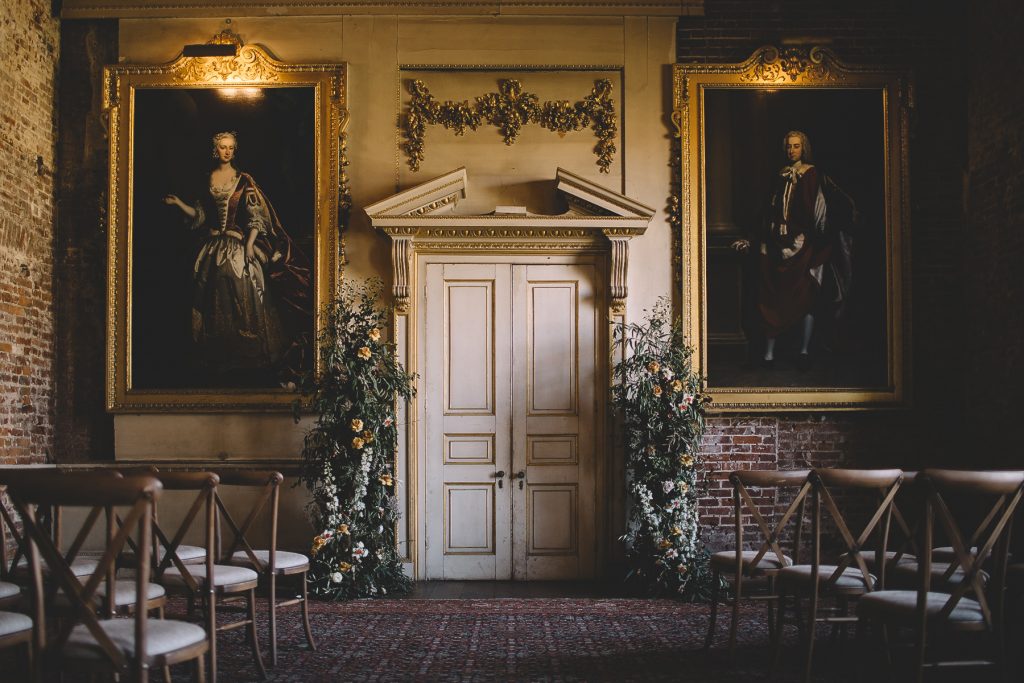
(995, 249)
(901, 33)
(29, 52)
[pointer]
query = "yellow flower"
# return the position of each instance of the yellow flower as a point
(676, 531)
(357, 442)
(683, 487)
(368, 435)
(677, 386)
(343, 529)
(686, 460)
(657, 390)
(653, 366)
(318, 544)
(375, 334)
(386, 479)
(681, 568)
(344, 566)
(364, 352)
(664, 543)
(356, 425)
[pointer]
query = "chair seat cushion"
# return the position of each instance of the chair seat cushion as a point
(890, 556)
(9, 590)
(727, 559)
(851, 578)
(124, 593)
(282, 559)
(947, 554)
(163, 636)
(12, 622)
(185, 553)
(223, 575)
(906, 575)
(82, 566)
(903, 605)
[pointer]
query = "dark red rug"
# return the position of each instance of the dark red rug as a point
(536, 639)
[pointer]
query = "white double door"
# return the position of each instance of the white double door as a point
(510, 388)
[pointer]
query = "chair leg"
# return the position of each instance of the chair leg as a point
(253, 636)
(811, 623)
(736, 593)
(771, 610)
(211, 630)
(200, 670)
(305, 614)
(715, 579)
(777, 640)
(272, 599)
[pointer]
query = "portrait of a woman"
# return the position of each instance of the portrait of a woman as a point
(244, 276)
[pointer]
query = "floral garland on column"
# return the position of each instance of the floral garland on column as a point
(661, 403)
(349, 454)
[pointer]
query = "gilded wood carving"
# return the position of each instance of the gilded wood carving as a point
(509, 110)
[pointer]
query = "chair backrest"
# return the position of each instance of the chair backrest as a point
(882, 484)
(1003, 490)
(269, 483)
(30, 491)
(48, 516)
(204, 484)
(770, 535)
(905, 529)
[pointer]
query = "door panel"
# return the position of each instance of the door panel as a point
(554, 416)
(510, 361)
(468, 354)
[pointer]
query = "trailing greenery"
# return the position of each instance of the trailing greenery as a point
(661, 403)
(348, 458)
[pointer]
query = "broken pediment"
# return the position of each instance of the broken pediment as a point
(425, 217)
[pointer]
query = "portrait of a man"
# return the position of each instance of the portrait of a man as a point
(796, 238)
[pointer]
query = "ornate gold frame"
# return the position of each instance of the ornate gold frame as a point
(250, 66)
(771, 68)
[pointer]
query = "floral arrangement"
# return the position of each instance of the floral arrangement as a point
(348, 457)
(661, 404)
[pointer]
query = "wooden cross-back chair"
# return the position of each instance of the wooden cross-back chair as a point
(271, 563)
(850, 577)
(123, 647)
(757, 568)
(207, 581)
(16, 566)
(971, 605)
(15, 628)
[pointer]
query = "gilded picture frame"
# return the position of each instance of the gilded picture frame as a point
(214, 290)
(795, 268)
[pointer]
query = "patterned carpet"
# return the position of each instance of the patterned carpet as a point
(522, 639)
(503, 640)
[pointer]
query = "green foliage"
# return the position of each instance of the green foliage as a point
(348, 458)
(661, 403)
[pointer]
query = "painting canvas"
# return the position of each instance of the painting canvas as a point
(226, 185)
(213, 170)
(793, 230)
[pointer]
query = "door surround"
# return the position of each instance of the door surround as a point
(423, 226)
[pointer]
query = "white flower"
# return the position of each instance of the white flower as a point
(671, 554)
(667, 373)
(667, 486)
(336, 577)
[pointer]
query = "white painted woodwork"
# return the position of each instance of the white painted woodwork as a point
(468, 349)
(553, 415)
(510, 375)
